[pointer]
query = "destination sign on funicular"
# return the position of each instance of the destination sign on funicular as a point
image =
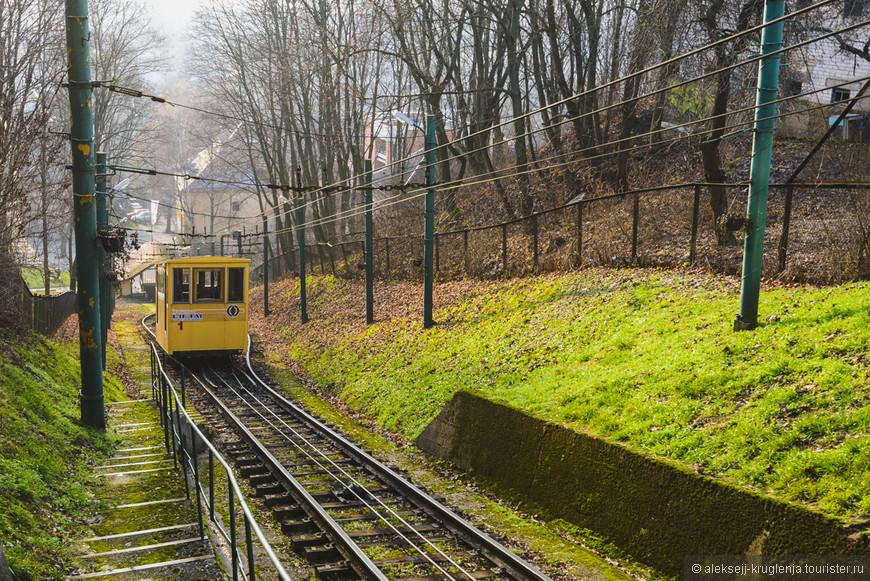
(186, 316)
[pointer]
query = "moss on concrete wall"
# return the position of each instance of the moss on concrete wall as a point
(655, 510)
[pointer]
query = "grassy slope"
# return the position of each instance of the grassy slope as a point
(44, 453)
(643, 357)
(35, 278)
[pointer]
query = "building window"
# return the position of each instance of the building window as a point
(790, 88)
(235, 206)
(840, 95)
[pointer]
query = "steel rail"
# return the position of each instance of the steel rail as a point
(251, 522)
(360, 562)
(348, 486)
(489, 547)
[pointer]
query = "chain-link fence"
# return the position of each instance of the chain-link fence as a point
(814, 233)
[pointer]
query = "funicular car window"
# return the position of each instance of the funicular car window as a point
(180, 285)
(235, 285)
(209, 285)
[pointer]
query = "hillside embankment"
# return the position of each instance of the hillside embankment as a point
(645, 360)
(46, 455)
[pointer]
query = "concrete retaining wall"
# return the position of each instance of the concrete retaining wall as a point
(656, 511)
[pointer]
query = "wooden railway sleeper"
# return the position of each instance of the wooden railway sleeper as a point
(370, 516)
(494, 551)
(480, 574)
(420, 560)
(251, 469)
(296, 527)
(361, 563)
(384, 531)
(261, 478)
(322, 553)
(300, 541)
(270, 488)
(339, 570)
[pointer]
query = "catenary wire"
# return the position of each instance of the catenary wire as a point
(568, 120)
(135, 93)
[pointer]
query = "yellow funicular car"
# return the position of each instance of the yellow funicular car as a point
(202, 305)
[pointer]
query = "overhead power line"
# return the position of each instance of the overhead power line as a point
(337, 186)
(731, 38)
(415, 194)
(601, 109)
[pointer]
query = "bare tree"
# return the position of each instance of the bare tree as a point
(719, 22)
(29, 81)
(123, 44)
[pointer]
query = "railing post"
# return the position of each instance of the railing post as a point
(465, 250)
(233, 543)
(153, 377)
(387, 247)
(635, 218)
(194, 437)
(786, 223)
(693, 248)
(183, 400)
(210, 485)
(182, 452)
(332, 259)
(170, 424)
(504, 254)
(251, 572)
(580, 233)
(535, 241)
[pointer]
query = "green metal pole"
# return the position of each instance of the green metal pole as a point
(759, 179)
(300, 225)
(429, 230)
(370, 264)
(84, 213)
(265, 266)
(102, 255)
(222, 245)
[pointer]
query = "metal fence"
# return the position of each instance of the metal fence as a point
(185, 442)
(814, 233)
(45, 314)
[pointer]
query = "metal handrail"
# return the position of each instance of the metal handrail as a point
(178, 436)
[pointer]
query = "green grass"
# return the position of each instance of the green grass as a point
(44, 453)
(35, 278)
(647, 358)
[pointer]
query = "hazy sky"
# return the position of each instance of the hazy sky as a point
(174, 18)
(174, 15)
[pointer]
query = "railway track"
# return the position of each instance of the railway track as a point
(348, 514)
